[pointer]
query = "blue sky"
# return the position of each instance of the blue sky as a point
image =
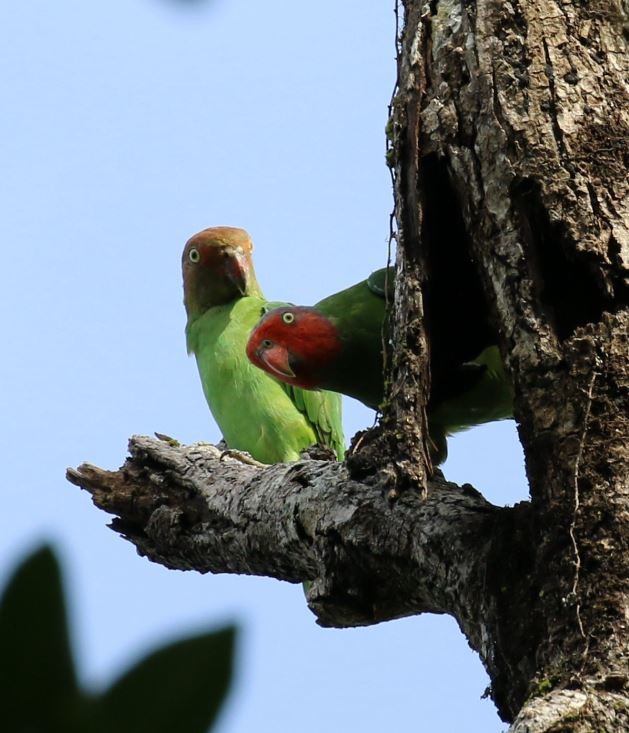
(127, 126)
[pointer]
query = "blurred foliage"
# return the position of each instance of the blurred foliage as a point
(179, 687)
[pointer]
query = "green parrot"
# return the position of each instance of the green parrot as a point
(338, 344)
(256, 413)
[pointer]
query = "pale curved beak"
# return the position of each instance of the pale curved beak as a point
(238, 270)
(275, 358)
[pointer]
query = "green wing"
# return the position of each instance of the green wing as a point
(381, 282)
(358, 314)
(479, 392)
(484, 395)
(324, 412)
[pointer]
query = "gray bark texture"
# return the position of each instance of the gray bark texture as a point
(508, 143)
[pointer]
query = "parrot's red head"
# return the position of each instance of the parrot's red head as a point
(295, 344)
(217, 268)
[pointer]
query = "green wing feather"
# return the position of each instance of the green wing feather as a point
(479, 392)
(358, 314)
(483, 394)
(324, 412)
(381, 282)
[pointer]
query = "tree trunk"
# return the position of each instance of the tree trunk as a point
(508, 142)
(517, 112)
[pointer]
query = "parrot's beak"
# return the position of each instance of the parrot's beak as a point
(237, 270)
(275, 359)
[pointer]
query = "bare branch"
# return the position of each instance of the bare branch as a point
(367, 560)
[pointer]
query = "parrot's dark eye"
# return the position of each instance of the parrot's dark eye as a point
(194, 255)
(267, 343)
(288, 317)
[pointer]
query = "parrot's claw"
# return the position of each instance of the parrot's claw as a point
(318, 452)
(167, 439)
(242, 457)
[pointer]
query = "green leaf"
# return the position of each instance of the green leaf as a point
(180, 687)
(38, 687)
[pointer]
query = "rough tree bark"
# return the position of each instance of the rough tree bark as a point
(508, 140)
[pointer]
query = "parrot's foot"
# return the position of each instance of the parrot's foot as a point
(167, 439)
(318, 452)
(242, 457)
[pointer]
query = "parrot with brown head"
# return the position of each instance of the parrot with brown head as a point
(256, 413)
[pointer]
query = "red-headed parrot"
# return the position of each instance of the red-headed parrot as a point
(256, 413)
(338, 344)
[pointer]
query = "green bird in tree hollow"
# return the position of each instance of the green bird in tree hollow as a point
(256, 413)
(338, 345)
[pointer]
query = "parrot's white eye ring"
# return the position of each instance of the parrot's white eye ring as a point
(288, 318)
(194, 255)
